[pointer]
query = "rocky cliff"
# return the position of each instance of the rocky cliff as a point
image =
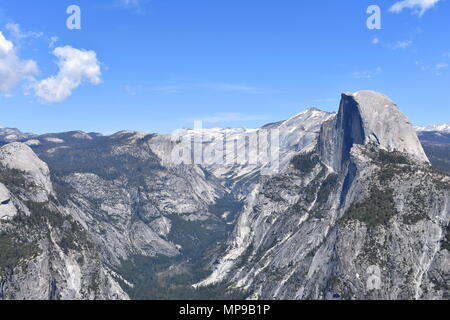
(351, 219)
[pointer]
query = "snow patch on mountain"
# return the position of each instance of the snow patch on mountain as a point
(444, 128)
(54, 140)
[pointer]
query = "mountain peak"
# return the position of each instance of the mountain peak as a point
(368, 117)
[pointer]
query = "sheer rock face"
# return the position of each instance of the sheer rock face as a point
(348, 220)
(368, 117)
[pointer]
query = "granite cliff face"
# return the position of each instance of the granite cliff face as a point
(355, 211)
(364, 118)
(350, 219)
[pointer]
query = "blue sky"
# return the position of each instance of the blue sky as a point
(162, 63)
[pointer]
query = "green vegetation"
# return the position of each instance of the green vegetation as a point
(312, 189)
(305, 162)
(13, 179)
(395, 157)
(97, 156)
(62, 189)
(439, 156)
(13, 252)
(72, 234)
(376, 210)
(226, 204)
(161, 278)
(172, 278)
(445, 243)
(197, 237)
(328, 185)
(413, 218)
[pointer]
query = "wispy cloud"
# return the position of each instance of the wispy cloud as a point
(376, 41)
(231, 87)
(326, 100)
(419, 7)
(134, 90)
(228, 117)
(136, 6)
(437, 68)
(402, 44)
(367, 74)
(52, 41)
(16, 32)
(176, 88)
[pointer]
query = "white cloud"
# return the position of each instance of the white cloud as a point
(75, 67)
(52, 41)
(419, 7)
(437, 68)
(375, 41)
(12, 68)
(402, 44)
(441, 66)
(368, 74)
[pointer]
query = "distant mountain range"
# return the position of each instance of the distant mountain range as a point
(435, 138)
(443, 128)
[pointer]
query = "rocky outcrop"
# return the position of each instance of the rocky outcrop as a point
(19, 158)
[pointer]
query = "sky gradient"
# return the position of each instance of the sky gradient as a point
(164, 63)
